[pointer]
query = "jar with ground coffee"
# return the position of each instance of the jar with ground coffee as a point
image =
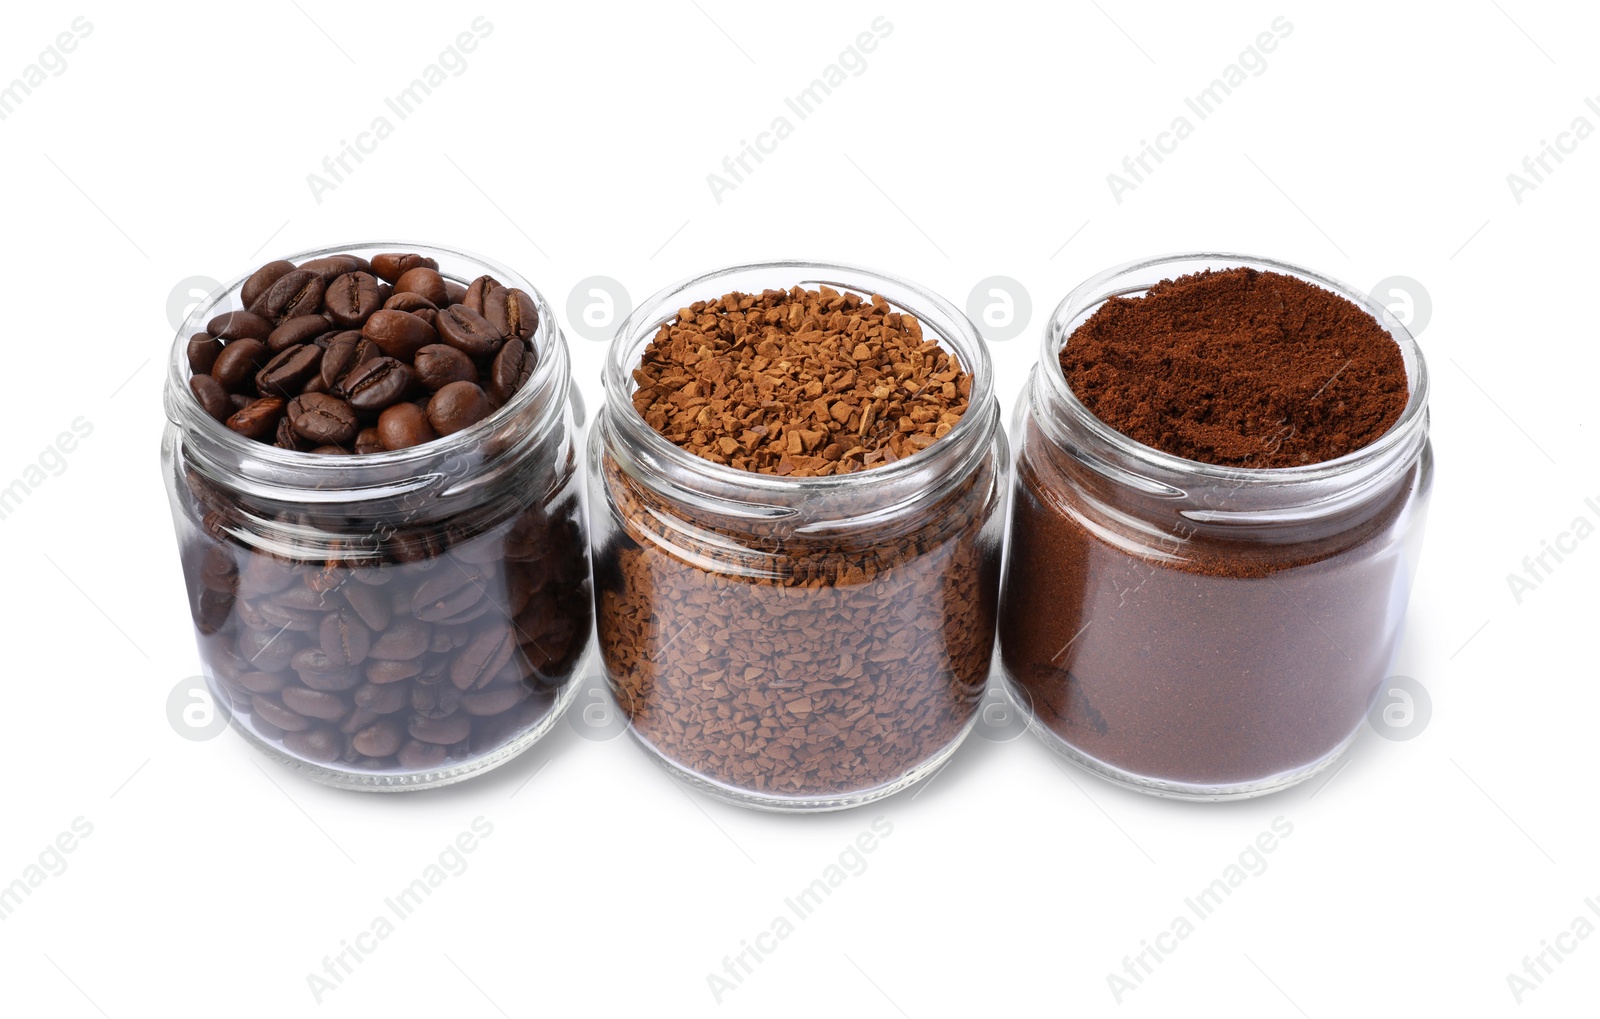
(795, 487)
(1221, 477)
(373, 475)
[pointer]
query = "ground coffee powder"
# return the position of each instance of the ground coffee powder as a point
(817, 656)
(1239, 367)
(1169, 648)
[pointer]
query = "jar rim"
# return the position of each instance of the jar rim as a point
(1092, 293)
(662, 306)
(184, 410)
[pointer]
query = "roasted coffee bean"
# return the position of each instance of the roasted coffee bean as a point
(212, 396)
(380, 671)
(404, 425)
(512, 312)
(380, 739)
(239, 361)
(418, 756)
(399, 333)
(510, 370)
(352, 298)
(273, 711)
(478, 292)
(434, 700)
(493, 702)
(468, 331)
(452, 728)
(262, 279)
(438, 364)
(405, 639)
(263, 682)
(368, 604)
(323, 420)
(409, 301)
(345, 639)
(454, 293)
(289, 370)
(240, 400)
(367, 441)
(483, 656)
(322, 744)
(315, 670)
(300, 329)
(382, 698)
(258, 420)
(239, 325)
(346, 350)
(458, 405)
(377, 384)
(447, 593)
(423, 280)
(314, 703)
(202, 352)
(295, 293)
(329, 267)
(285, 437)
(391, 267)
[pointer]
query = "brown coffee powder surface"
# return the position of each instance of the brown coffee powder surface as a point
(799, 382)
(1239, 367)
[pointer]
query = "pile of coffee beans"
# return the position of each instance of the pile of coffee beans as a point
(437, 650)
(345, 355)
(383, 639)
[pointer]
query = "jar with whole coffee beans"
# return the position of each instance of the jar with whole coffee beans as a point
(371, 462)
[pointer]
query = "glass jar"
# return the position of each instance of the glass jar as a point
(459, 565)
(1203, 631)
(797, 643)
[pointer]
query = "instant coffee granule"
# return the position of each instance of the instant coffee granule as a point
(799, 383)
(1194, 655)
(806, 660)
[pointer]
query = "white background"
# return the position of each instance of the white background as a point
(975, 143)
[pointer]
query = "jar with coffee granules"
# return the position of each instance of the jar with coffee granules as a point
(373, 474)
(1222, 472)
(795, 489)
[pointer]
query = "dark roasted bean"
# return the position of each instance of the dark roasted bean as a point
(345, 639)
(390, 267)
(371, 387)
(468, 331)
(258, 420)
(425, 281)
(438, 364)
(314, 703)
(352, 298)
(510, 370)
(458, 405)
(295, 293)
(323, 420)
(478, 292)
(202, 352)
(262, 279)
(484, 655)
(399, 333)
(452, 728)
(239, 325)
(331, 266)
(511, 311)
(212, 396)
(409, 301)
(289, 370)
(239, 361)
(404, 425)
(300, 329)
